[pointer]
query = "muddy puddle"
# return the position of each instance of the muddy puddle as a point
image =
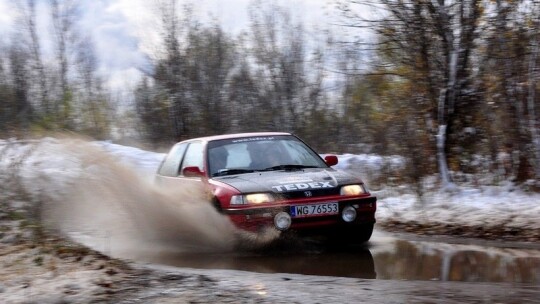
(440, 260)
(386, 257)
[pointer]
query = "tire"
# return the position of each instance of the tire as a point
(349, 235)
(352, 235)
(363, 234)
(217, 205)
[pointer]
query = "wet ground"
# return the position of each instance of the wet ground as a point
(386, 257)
(228, 286)
(393, 268)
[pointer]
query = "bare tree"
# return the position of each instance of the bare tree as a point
(508, 66)
(7, 102)
(64, 92)
(63, 16)
(29, 19)
(273, 76)
(291, 90)
(435, 41)
(22, 109)
(534, 76)
(94, 109)
(169, 74)
(209, 58)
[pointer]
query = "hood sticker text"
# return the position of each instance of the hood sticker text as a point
(302, 186)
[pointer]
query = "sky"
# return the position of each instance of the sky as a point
(124, 30)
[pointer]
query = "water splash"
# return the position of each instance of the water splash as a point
(105, 204)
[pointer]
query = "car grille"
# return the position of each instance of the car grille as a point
(312, 193)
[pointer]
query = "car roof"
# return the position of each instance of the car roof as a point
(237, 135)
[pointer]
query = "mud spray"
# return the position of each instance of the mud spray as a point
(109, 207)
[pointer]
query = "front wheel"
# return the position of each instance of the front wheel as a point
(357, 234)
(217, 205)
(363, 233)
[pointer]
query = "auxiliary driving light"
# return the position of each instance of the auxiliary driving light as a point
(282, 221)
(348, 214)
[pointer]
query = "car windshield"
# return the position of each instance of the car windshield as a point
(266, 153)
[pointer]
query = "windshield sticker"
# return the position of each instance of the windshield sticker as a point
(252, 139)
(302, 186)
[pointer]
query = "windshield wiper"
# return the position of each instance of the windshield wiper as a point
(288, 167)
(232, 172)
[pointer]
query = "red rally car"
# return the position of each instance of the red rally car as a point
(273, 179)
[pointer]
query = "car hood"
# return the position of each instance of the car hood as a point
(282, 181)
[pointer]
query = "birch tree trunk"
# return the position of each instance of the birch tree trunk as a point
(63, 16)
(448, 93)
(35, 47)
(533, 125)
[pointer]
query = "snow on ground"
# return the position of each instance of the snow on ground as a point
(144, 161)
(47, 161)
(485, 206)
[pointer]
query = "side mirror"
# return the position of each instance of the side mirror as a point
(192, 172)
(331, 160)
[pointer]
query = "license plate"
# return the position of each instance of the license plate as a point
(314, 210)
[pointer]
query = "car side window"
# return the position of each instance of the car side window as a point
(193, 156)
(171, 164)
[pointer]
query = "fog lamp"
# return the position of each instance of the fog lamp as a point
(348, 214)
(282, 221)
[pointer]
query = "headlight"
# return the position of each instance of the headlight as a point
(254, 198)
(259, 198)
(352, 190)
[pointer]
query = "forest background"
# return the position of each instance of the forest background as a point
(452, 86)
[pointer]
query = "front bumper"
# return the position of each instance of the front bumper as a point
(257, 217)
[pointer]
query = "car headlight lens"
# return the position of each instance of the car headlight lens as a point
(254, 198)
(259, 198)
(352, 190)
